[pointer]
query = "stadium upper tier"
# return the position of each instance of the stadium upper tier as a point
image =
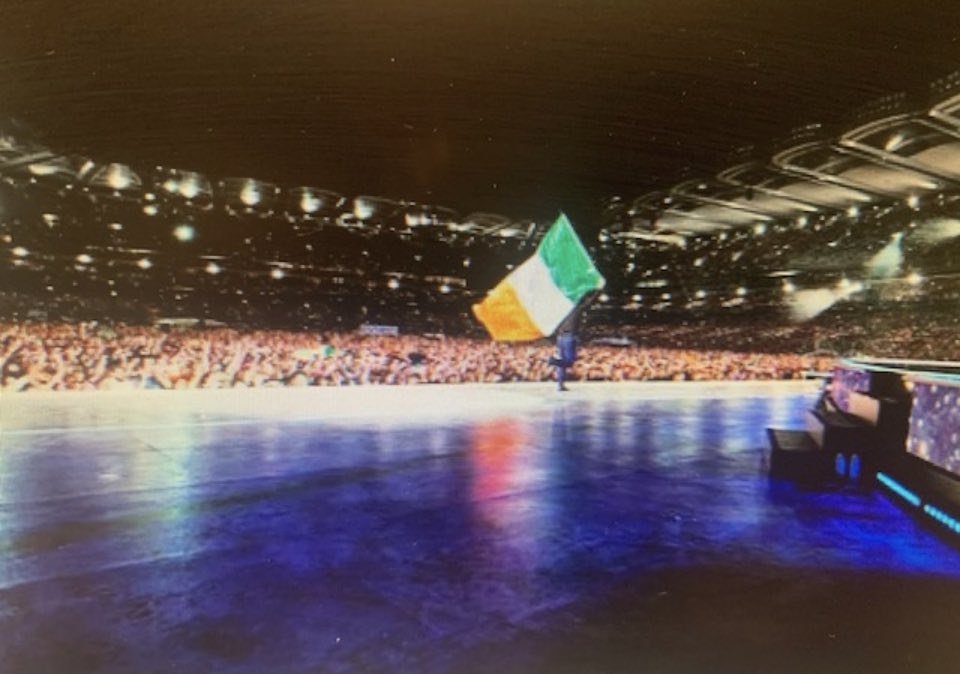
(862, 212)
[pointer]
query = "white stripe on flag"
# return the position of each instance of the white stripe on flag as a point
(546, 305)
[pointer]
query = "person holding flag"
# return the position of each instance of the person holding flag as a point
(566, 356)
(544, 291)
(567, 341)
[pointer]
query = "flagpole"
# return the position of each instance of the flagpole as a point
(574, 321)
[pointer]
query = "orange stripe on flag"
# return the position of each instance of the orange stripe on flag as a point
(504, 316)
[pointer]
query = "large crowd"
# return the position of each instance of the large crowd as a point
(88, 355)
(901, 334)
(91, 356)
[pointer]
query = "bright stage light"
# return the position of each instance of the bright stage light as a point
(914, 279)
(144, 263)
(362, 209)
(807, 304)
(83, 258)
(20, 251)
(393, 284)
(250, 194)
(184, 233)
(212, 268)
(309, 203)
(886, 263)
(277, 274)
(119, 177)
(189, 188)
(935, 231)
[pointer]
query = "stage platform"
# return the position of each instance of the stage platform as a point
(106, 410)
(495, 528)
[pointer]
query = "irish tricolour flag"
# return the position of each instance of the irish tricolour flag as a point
(538, 295)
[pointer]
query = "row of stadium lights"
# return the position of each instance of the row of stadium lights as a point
(212, 268)
(121, 178)
(758, 229)
(761, 228)
(251, 196)
(913, 202)
(186, 233)
(787, 287)
(251, 193)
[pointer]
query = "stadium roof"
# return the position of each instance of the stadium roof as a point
(498, 106)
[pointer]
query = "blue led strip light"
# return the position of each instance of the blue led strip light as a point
(898, 489)
(942, 517)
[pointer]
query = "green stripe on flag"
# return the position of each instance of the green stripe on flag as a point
(570, 266)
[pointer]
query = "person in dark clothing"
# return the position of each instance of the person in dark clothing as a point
(567, 341)
(566, 356)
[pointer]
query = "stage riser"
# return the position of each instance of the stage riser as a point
(835, 434)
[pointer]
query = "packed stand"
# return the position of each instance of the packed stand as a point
(88, 356)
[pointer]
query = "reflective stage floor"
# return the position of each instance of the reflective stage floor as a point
(615, 528)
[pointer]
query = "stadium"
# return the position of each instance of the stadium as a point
(284, 298)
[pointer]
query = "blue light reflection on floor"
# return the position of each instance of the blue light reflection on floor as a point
(352, 547)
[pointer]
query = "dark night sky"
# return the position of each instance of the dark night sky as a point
(515, 106)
